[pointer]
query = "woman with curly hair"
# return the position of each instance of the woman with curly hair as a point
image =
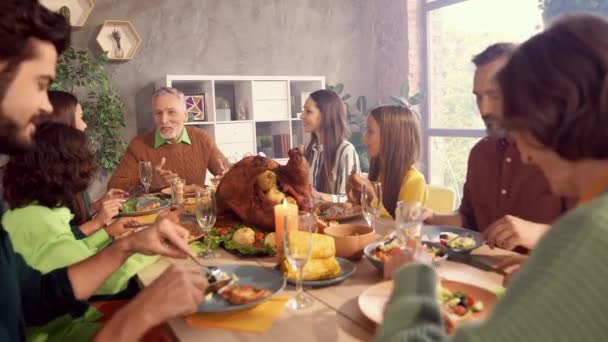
(89, 216)
(38, 186)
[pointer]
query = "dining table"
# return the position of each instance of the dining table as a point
(335, 314)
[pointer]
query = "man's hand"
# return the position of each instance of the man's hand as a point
(162, 177)
(510, 232)
(108, 210)
(162, 237)
(117, 228)
(176, 292)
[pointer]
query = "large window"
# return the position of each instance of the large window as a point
(454, 31)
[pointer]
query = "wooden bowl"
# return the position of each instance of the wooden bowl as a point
(351, 239)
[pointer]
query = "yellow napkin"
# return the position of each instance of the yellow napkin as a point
(257, 319)
(146, 219)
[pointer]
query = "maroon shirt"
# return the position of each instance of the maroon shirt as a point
(498, 183)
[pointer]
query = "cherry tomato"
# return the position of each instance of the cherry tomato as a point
(459, 310)
(223, 231)
(470, 301)
(259, 236)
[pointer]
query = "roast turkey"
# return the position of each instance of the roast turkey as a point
(242, 191)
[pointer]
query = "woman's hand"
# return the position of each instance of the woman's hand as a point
(395, 262)
(510, 266)
(355, 187)
(109, 209)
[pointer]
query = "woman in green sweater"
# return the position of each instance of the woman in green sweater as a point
(555, 104)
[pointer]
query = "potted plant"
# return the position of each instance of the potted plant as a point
(266, 145)
(81, 73)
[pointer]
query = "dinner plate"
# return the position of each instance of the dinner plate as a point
(257, 276)
(353, 212)
(163, 204)
(431, 234)
(373, 300)
(380, 265)
(347, 269)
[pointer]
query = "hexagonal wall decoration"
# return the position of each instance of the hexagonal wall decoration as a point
(119, 39)
(77, 11)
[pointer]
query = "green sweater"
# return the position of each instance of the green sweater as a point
(44, 238)
(560, 294)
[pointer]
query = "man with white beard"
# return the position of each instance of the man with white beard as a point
(173, 149)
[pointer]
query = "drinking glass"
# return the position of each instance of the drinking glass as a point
(206, 214)
(371, 205)
(297, 244)
(177, 191)
(408, 216)
(145, 174)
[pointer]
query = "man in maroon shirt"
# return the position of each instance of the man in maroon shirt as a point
(508, 201)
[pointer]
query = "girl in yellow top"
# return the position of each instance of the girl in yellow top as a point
(393, 141)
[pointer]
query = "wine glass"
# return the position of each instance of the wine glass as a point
(206, 214)
(371, 204)
(297, 244)
(408, 216)
(145, 174)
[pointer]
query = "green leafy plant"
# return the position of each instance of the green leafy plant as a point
(266, 141)
(554, 8)
(80, 72)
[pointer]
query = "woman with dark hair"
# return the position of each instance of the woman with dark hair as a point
(555, 105)
(38, 186)
(331, 157)
(394, 146)
(89, 216)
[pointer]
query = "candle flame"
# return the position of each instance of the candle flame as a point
(285, 204)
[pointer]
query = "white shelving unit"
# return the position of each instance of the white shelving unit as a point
(251, 114)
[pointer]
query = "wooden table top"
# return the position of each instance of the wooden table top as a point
(335, 315)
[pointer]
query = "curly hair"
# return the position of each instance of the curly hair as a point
(59, 166)
(555, 87)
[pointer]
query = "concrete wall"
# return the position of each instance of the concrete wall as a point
(361, 43)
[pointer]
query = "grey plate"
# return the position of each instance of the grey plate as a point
(380, 265)
(163, 204)
(257, 276)
(432, 232)
(347, 269)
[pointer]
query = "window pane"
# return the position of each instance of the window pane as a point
(456, 33)
(449, 158)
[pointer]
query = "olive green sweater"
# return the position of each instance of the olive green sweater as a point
(561, 293)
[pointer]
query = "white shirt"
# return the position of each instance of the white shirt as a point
(346, 157)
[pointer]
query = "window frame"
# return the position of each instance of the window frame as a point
(428, 131)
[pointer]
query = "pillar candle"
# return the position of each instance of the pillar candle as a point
(286, 211)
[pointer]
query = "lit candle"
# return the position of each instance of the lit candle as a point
(284, 213)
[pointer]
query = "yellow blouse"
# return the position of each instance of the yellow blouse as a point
(413, 188)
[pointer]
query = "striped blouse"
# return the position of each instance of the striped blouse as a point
(347, 158)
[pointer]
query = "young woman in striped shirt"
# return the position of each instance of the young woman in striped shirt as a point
(394, 146)
(330, 156)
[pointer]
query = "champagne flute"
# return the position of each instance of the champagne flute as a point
(371, 204)
(297, 243)
(206, 214)
(145, 174)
